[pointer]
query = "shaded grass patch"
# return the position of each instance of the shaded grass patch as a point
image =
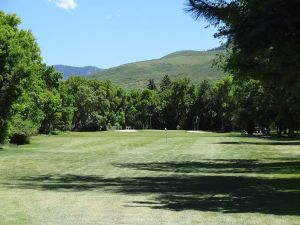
(227, 194)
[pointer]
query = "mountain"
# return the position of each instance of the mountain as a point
(78, 71)
(194, 64)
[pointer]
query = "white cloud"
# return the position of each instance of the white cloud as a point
(65, 4)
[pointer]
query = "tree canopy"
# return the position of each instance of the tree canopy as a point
(20, 61)
(263, 37)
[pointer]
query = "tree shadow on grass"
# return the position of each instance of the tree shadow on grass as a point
(283, 138)
(227, 194)
(220, 166)
(274, 138)
(259, 143)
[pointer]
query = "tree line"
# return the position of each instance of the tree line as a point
(80, 104)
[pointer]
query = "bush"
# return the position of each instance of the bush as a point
(55, 132)
(22, 130)
(19, 139)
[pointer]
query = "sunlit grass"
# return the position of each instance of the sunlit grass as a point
(146, 178)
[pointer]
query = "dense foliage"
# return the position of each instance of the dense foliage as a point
(263, 36)
(29, 100)
(19, 66)
(224, 105)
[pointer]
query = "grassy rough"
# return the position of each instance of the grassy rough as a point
(139, 178)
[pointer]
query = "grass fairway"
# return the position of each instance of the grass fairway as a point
(139, 179)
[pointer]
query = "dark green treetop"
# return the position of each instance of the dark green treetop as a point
(264, 36)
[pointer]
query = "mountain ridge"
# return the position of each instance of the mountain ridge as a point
(197, 65)
(76, 71)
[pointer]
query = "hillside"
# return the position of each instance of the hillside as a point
(194, 64)
(79, 71)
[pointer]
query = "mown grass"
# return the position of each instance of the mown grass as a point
(142, 178)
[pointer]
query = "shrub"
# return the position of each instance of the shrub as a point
(21, 131)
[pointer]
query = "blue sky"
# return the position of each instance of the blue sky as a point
(108, 33)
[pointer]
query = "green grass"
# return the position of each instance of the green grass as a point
(139, 178)
(193, 64)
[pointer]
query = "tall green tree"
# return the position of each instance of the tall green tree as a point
(20, 60)
(142, 109)
(248, 97)
(52, 103)
(92, 104)
(151, 85)
(284, 107)
(68, 109)
(202, 112)
(223, 104)
(178, 101)
(263, 36)
(165, 83)
(28, 111)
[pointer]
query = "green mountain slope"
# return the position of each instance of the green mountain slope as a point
(194, 64)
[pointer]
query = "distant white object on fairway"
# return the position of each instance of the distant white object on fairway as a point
(129, 131)
(196, 131)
